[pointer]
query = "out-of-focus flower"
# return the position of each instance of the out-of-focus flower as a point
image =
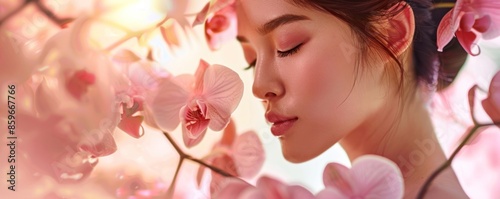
(14, 65)
(468, 21)
(206, 100)
(267, 188)
(220, 21)
(211, 7)
(492, 103)
(221, 27)
(76, 99)
(53, 150)
(370, 177)
(240, 155)
(139, 84)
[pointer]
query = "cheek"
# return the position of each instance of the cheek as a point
(322, 79)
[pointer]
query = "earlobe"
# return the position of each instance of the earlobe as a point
(401, 29)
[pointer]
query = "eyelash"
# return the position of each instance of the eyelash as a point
(289, 52)
(280, 55)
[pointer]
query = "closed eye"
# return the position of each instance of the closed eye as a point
(289, 52)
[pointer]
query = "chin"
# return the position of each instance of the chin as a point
(295, 155)
(298, 152)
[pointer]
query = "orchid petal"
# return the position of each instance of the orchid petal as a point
(222, 90)
(229, 134)
(298, 192)
(482, 24)
(199, 76)
(376, 177)
(103, 147)
(232, 188)
(226, 163)
(445, 31)
(467, 21)
(202, 15)
(190, 142)
(132, 126)
(221, 27)
(488, 9)
(78, 83)
(167, 103)
(211, 7)
(337, 176)
(329, 193)
(492, 103)
(15, 66)
(468, 41)
(272, 188)
(248, 153)
(44, 99)
(194, 121)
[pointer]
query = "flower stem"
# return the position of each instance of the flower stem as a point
(189, 157)
(215, 169)
(446, 164)
(14, 12)
(174, 144)
(134, 34)
(171, 189)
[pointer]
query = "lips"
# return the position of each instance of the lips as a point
(280, 123)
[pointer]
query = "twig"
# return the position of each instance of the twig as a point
(186, 156)
(174, 144)
(171, 189)
(215, 169)
(51, 15)
(14, 12)
(134, 34)
(446, 164)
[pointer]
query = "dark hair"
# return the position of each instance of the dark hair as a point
(360, 14)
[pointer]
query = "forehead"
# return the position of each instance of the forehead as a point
(252, 14)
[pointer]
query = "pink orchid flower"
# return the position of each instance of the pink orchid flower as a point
(220, 22)
(52, 151)
(240, 155)
(267, 188)
(221, 27)
(370, 177)
(206, 100)
(15, 67)
(469, 20)
(211, 7)
(141, 79)
(492, 103)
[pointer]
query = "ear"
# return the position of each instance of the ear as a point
(401, 28)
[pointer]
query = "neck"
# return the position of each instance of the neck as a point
(404, 135)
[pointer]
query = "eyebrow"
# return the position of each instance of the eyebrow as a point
(275, 23)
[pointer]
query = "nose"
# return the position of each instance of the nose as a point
(267, 83)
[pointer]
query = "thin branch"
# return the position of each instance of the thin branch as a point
(51, 15)
(448, 162)
(15, 11)
(215, 169)
(134, 34)
(186, 156)
(171, 189)
(174, 144)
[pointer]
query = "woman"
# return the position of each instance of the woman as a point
(348, 72)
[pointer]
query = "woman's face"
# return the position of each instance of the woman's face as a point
(306, 74)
